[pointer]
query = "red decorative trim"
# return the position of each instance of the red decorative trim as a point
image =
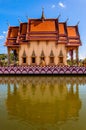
(43, 36)
(43, 32)
(12, 38)
(73, 37)
(12, 45)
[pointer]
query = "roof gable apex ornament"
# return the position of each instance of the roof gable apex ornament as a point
(59, 16)
(8, 24)
(77, 23)
(19, 20)
(27, 17)
(67, 20)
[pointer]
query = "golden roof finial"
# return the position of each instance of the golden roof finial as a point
(42, 17)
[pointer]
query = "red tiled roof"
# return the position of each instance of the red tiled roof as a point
(13, 32)
(39, 25)
(61, 28)
(71, 30)
(23, 28)
(46, 29)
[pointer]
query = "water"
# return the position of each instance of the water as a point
(42, 103)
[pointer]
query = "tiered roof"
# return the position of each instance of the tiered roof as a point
(43, 29)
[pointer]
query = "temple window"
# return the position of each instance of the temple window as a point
(33, 57)
(42, 56)
(33, 60)
(51, 60)
(51, 57)
(61, 57)
(24, 57)
(61, 60)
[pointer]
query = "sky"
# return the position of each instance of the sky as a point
(12, 10)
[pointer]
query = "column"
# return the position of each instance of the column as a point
(67, 51)
(8, 56)
(71, 56)
(77, 57)
(17, 56)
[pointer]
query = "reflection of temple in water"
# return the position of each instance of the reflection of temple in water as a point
(36, 101)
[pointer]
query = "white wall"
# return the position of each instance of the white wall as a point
(46, 46)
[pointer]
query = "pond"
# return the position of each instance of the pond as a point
(43, 103)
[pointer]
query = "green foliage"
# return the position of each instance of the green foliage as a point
(3, 56)
(4, 61)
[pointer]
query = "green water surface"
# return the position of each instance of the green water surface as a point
(42, 103)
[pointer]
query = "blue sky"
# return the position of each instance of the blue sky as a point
(11, 10)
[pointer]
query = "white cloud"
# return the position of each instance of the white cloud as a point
(4, 32)
(62, 5)
(53, 6)
(82, 56)
(1, 37)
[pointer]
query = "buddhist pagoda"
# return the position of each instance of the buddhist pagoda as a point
(43, 41)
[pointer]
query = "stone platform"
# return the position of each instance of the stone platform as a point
(28, 70)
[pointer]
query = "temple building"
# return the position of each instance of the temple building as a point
(43, 41)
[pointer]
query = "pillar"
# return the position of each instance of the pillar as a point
(8, 56)
(15, 56)
(67, 52)
(18, 55)
(71, 54)
(77, 57)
